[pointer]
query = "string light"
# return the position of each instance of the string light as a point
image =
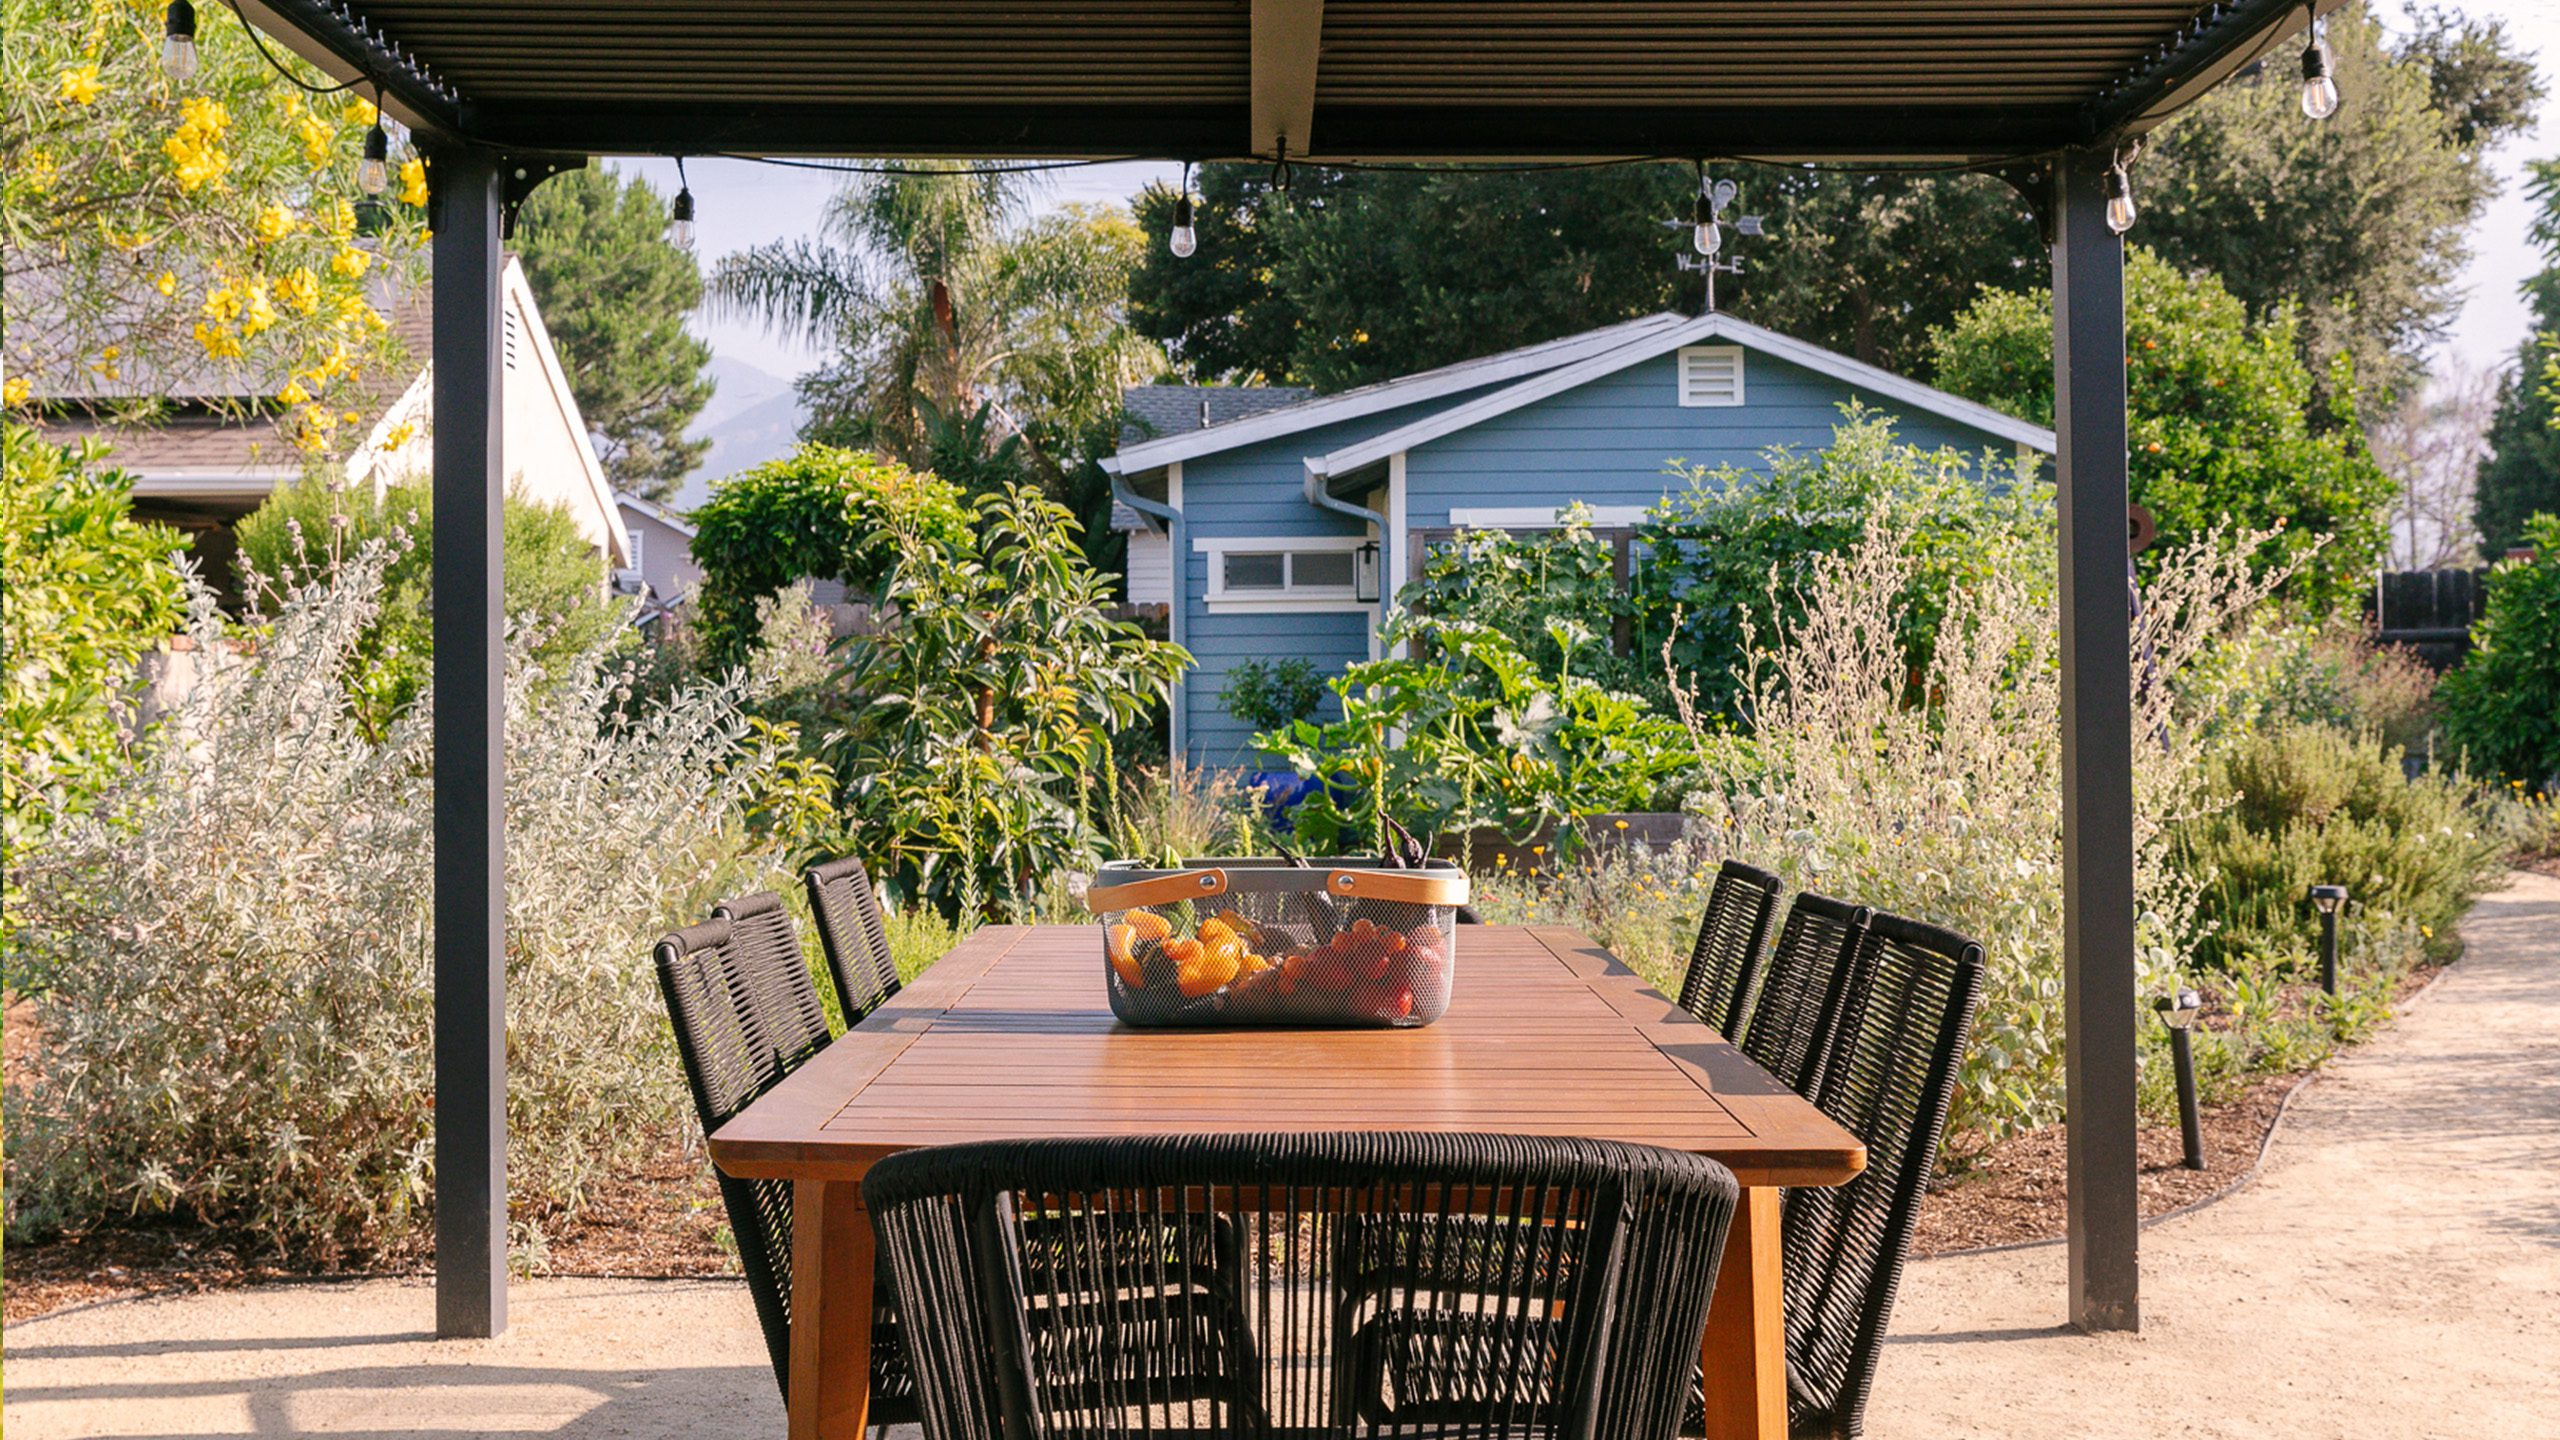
(178, 41)
(2319, 89)
(680, 216)
(2120, 207)
(374, 175)
(1185, 239)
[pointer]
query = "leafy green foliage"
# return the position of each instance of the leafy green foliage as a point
(2502, 708)
(90, 591)
(2315, 805)
(2521, 477)
(553, 586)
(819, 513)
(615, 293)
(1268, 694)
(2223, 423)
(980, 717)
(1474, 731)
(1517, 582)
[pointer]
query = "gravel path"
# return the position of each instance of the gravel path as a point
(2395, 1271)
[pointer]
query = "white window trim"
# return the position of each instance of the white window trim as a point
(1335, 599)
(1690, 354)
(1543, 517)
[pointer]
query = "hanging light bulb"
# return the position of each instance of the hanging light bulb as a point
(680, 221)
(1705, 235)
(2319, 89)
(374, 175)
(178, 42)
(1185, 238)
(2120, 208)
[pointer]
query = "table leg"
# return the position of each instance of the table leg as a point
(831, 1267)
(1744, 1360)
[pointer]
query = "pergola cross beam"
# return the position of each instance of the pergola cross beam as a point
(1287, 34)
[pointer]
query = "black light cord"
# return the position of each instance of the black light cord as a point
(278, 66)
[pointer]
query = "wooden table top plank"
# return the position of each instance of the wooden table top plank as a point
(1011, 1035)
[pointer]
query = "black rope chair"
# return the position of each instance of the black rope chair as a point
(1733, 936)
(1799, 999)
(1890, 1077)
(745, 1016)
(1387, 1283)
(855, 935)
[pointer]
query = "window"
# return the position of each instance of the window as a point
(1711, 375)
(632, 534)
(1285, 573)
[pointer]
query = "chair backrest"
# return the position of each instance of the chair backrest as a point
(1532, 1286)
(1800, 995)
(731, 1059)
(1733, 937)
(775, 973)
(1891, 1076)
(855, 934)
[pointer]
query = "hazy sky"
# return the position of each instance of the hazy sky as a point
(741, 204)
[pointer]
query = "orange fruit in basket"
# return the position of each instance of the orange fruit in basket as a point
(1120, 942)
(1214, 933)
(1236, 921)
(1184, 951)
(1150, 925)
(1205, 974)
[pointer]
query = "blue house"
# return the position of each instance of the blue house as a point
(1275, 522)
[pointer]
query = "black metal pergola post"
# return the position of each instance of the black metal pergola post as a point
(2098, 961)
(470, 753)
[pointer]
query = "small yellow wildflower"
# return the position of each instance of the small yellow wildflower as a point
(15, 390)
(308, 440)
(1537, 849)
(349, 264)
(217, 340)
(167, 284)
(1622, 824)
(300, 291)
(413, 181)
(196, 149)
(258, 313)
(357, 313)
(399, 435)
(38, 170)
(274, 223)
(358, 110)
(222, 302)
(318, 139)
(338, 218)
(293, 394)
(320, 417)
(79, 85)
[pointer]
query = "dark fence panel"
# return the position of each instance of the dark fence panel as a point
(2430, 611)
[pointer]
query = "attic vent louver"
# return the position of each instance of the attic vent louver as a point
(1711, 375)
(511, 325)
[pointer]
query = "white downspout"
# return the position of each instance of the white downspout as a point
(1178, 612)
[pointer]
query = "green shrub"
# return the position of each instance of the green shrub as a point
(2502, 708)
(553, 587)
(1517, 582)
(1267, 694)
(820, 513)
(88, 592)
(2310, 804)
(234, 949)
(2330, 673)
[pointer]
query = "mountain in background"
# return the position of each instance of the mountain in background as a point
(753, 417)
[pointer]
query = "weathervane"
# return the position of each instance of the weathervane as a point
(1706, 232)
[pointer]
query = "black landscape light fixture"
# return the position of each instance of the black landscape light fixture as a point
(2178, 1012)
(2330, 899)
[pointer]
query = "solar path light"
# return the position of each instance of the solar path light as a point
(2330, 899)
(2178, 1012)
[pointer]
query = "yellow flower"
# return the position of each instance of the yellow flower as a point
(399, 435)
(300, 291)
(196, 149)
(318, 139)
(321, 417)
(274, 223)
(79, 85)
(222, 303)
(355, 312)
(15, 390)
(258, 313)
(1622, 824)
(167, 284)
(413, 181)
(308, 440)
(293, 394)
(349, 264)
(358, 110)
(38, 170)
(217, 340)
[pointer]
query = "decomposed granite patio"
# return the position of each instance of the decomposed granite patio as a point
(2394, 1270)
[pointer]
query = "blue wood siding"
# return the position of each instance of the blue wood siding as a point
(1609, 442)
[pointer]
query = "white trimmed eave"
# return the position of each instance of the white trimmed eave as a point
(1352, 459)
(1370, 399)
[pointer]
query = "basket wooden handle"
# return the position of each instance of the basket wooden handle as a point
(1157, 890)
(1418, 887)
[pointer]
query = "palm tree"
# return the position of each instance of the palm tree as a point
(945, 298)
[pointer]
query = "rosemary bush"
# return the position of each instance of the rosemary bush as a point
(232, 951)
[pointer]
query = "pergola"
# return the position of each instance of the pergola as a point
(503, 95)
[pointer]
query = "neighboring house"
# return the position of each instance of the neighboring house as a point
(214, 453)
(661, 553)
(1286, 528)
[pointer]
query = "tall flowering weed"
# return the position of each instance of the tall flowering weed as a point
(231, 954)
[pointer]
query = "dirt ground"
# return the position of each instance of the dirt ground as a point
(2394, 1270)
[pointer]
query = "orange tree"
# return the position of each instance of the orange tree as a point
(154, 229)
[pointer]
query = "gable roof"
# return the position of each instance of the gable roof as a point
(1385, 395)
(1155, 411)
(672, 519)
(1906, 392)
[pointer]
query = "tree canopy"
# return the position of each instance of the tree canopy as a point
(2521, 476)
(615, 294)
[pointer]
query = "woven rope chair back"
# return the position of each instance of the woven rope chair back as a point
(781, 994)
(1733, 940)
(855, 935)
(1890, 1079)
(1799, 998)
(1306, 1285)
(730, 1060)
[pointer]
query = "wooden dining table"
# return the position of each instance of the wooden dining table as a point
(1010, 1036)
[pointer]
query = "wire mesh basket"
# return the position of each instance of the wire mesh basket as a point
(1269, 942)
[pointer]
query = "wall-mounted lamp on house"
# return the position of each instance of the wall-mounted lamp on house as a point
(2329, 898)
(1364, 573)
(2178, 1012)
